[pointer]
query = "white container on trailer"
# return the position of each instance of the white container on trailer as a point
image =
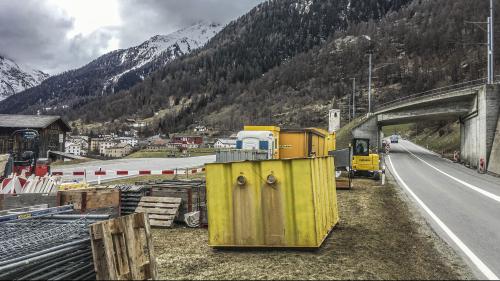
(256, 140)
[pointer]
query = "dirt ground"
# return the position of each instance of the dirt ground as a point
(377, 238)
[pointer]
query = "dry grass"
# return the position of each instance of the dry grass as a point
(377, 238)
(72, 162)
(171, 153)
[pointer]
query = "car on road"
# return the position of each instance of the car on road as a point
(394, 139)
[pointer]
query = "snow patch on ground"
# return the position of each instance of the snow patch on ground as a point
(303, 6)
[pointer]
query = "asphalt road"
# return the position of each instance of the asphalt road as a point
(462, 206)
(156, 164)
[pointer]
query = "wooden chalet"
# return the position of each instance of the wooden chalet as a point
(52, 130)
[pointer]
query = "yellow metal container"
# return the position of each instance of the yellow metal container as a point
(331, 140)
(303, 143)
(273, 203)
(276, 134)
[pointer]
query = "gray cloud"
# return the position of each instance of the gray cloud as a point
(34, 33)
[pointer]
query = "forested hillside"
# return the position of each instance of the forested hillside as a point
(425, 45)
(287, 62)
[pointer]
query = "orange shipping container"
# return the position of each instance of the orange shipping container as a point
(303, 143)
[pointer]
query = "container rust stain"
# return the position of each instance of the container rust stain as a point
(273, 203)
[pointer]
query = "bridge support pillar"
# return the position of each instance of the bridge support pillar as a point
(370, 130)
(479, 134)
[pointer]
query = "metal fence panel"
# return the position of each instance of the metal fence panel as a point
(342, 157)
(238, 155)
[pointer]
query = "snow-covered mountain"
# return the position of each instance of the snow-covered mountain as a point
(161, 49)
(114, 71)
(16, 78)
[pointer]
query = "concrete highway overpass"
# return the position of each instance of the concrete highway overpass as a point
(476, 107)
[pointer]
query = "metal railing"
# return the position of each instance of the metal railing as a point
(429, 93)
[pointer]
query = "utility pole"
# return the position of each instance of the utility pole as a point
(353, 98)
(491, 37)
(349, 109)
(370, 83)
(490, 23)
(490, 77)
(370, 55)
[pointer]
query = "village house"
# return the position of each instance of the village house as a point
(107, 144)
(82, 141)
(52, 131)
(135, 123)
(75, 149)
(95, 143)
(118, 151)
(209, 144)
(200, 129)
(128, 140)
(186, 141)
(157, 145)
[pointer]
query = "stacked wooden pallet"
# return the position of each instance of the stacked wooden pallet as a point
(161, 210)
(192, 193)
(123, 249)
(95, 200)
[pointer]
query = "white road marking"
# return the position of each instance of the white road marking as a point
(475, 260)
(473, 187)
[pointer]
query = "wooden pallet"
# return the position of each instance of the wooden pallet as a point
(123, 249)
(161, 210)
(90, 199)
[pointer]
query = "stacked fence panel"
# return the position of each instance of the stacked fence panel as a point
(48, 248)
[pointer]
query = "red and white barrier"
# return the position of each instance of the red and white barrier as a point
(32, 184)
(188, 171)
(456, 156)
(482, 166)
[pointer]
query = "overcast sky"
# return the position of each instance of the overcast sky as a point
(58, 35)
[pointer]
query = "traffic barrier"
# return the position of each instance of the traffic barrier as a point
(32, 184)
(182, 171)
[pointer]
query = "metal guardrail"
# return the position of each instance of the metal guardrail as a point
(438, 91)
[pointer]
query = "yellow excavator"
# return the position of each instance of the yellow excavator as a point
(364, 163)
